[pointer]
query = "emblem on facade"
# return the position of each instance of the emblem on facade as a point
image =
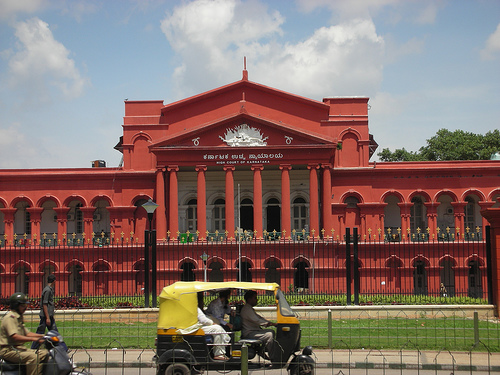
(244, 136)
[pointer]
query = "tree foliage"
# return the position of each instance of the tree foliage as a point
(447, 145)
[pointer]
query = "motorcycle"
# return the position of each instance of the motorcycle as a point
(57, 361)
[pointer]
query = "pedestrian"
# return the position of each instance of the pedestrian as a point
(47, 310)
(442, 291)
(13, 336)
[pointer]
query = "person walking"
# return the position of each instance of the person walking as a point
(13, 336)
(47, 310)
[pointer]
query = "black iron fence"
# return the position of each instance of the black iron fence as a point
(353, 269)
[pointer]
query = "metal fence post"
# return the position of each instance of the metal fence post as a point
(146, 267)
(348, 264)
(476, 328)
(244, 359)
(356, 265)
(329, 329)
(489, 262)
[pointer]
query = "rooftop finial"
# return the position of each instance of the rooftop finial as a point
(245, 72)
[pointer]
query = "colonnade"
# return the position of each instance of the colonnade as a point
(167, 213)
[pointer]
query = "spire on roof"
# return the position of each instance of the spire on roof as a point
(245, 72)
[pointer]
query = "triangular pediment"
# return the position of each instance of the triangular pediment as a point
(242, 130)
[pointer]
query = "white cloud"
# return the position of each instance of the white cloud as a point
(9, 8)
(41, 62)
(15, 148)
(492, 48)
(345, 59)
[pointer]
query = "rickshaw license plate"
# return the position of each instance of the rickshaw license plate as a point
(177, 339)
(236, 353)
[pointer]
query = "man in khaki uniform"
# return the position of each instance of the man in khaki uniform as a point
(13, 334)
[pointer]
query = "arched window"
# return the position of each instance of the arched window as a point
(272, 272)
(191, 217)
(75, 280)
(301, 277)
(352, 202)
(420, 278)
(215, 273)
(188, 272)
(418, 218)
(220, 215)
(447, 276)
(22, 280)
(299, 220)
(79, 219)
(246, 273)
(475, 289)
(470, 214)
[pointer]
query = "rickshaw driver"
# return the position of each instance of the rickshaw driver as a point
(252, 323)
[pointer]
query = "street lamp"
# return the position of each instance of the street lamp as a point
(149, 241)
(204, 257)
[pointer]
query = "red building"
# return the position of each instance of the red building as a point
(246, 157)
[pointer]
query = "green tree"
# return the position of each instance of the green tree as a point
(447, 145)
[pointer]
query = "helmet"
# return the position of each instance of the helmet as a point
(17, 299)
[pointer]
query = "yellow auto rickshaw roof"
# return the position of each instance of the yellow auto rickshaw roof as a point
(175, 290)
(179, 301)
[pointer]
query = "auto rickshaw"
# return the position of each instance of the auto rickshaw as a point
(183, 354)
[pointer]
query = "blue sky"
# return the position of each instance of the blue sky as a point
(67, 66)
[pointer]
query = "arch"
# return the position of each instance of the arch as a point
(19, 264)
(273, 259)
(3, 202)
(447, 257)
(476, 192)
(141, 134)
(217, 259)
(360, 262)
(451, 194)
(244, 258)
(419, 192)
(72, 263)
(75, 197)
(422, 258)
(187, 260)
(349, 131)
(48, 263)
(48, 197)
(2, 268)
(139, 197)
(101, 265)
(101, 197)
(351, 193)
(298, 259)
(21, 198)
(389, 193)
(474, 257)
(393, 260)
(493, 194)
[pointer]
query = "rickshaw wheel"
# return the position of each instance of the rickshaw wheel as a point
(177, 369)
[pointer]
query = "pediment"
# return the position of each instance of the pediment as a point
(242, 131)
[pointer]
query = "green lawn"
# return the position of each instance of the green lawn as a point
(454, 334)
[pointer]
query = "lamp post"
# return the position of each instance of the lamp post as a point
(204, 257)
(149, 241)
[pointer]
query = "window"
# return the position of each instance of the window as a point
(79, 218)
(418, 218)
(469, 218)
(220, 215)
(192, 215)
(299, 214)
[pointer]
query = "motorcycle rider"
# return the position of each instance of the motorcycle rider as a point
(13, 335)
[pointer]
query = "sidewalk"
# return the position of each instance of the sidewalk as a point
(389, 359)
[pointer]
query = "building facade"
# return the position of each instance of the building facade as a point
(247, 160)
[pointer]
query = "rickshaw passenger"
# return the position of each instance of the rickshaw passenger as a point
(218, 333)
(219, 307)
(252, 323)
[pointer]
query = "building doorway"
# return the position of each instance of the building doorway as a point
(246, 214)
(273, 214)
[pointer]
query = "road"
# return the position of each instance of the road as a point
(319, 371)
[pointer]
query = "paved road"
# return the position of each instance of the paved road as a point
(319, 371)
